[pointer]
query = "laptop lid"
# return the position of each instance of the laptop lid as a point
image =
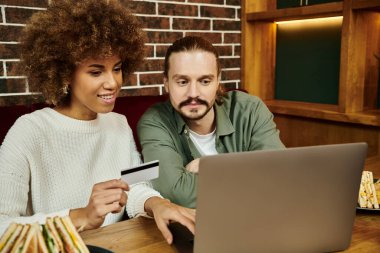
(291, 200)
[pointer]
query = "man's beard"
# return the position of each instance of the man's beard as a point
(188, 102)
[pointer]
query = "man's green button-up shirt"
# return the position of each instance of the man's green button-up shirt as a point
(243, 123)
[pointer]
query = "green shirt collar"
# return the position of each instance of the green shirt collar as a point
(181, 123)
(223, 122)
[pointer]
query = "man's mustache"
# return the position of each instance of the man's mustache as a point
(192, 100)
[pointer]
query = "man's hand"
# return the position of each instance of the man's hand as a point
(164, 212)
(193, 166)
(106, 197)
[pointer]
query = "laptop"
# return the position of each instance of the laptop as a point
(293, 200)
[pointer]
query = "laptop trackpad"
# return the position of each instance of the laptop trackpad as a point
(183, 239)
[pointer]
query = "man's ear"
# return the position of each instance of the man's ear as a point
(166, 84)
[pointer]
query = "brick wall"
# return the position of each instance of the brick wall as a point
(164, 21)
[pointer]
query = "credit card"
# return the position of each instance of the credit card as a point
(143, 172)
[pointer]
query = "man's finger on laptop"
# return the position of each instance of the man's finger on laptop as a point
(187, 222)
(163, 227)
(188, 213)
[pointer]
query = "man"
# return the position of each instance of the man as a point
(199, 119)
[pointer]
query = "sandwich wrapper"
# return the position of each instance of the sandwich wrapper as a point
(58, 234)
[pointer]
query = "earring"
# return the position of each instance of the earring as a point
(65, 89)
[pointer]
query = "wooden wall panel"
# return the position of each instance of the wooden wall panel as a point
(298, 131)
(258, 51)
(372, 63)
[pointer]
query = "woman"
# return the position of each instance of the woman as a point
(66, 160)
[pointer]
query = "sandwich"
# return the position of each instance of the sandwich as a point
(57, 235)
(367, 192)
(24, 237)
(72, 242)
(19, 239)
(27, 240)
(41, 245)
(7, 234)
(10, 237)
(51, 236)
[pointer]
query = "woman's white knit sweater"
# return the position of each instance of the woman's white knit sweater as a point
(49, 163)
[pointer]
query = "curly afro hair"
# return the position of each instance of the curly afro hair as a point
(55, 41)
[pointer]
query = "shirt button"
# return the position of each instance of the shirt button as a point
(185, 131)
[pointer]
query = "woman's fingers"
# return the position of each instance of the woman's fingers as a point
(107, 197)
(109, 192)
(111, 184)
(188, 213)
(114, 200)
(184, 220)
(110, 196)
(162, 225)
(123, 200)
(108, 203)
(165, 212)
(112, 208)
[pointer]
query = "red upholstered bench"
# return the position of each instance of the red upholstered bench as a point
(8, 116)
(132, 107)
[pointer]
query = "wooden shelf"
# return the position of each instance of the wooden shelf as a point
(358, 75)
(366, 4)
(355, 118)
(313, 11)
(323, 112)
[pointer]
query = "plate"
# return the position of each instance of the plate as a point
(96, 249)
(369, 209)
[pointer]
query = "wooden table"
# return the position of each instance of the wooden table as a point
(141, 235)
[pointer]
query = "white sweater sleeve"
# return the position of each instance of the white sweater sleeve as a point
(15, 177)
(140, 192)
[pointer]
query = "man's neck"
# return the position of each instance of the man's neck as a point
(204, 125)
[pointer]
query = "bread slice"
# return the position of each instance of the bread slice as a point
(20, 240)
(12, 238)
(29, 244)
(367, 191)
(68, 243)
(7, 234)
(74, 235)
(57, 235)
